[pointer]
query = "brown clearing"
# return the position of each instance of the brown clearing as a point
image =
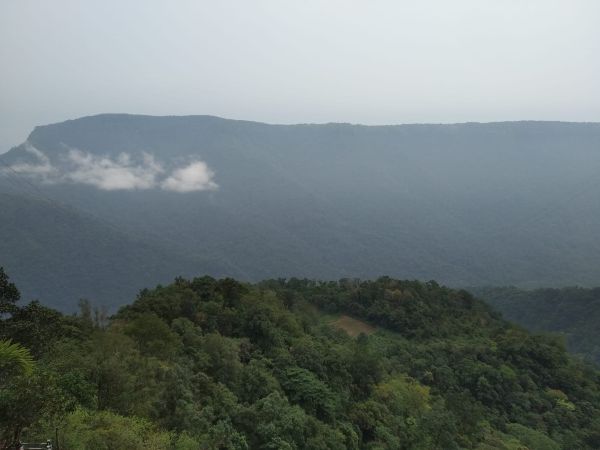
(353, 326)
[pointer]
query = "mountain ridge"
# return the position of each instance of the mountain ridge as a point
(302, 124)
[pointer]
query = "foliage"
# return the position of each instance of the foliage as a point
(14, 358)
(219, 364)
(573, 312)
(9, 294)
(104, 430)
(29, 399)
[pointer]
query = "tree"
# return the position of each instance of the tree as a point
(104, 430)
(9, 294)
(14, 360)
(314, 396)
(38, 327)
(153, 336)
(26, 399)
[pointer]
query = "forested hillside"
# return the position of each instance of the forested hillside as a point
(574, 312)
(47, 244)
(512, 203)
(219, 364)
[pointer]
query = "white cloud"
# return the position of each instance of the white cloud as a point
(121, 173)
(41, 168)
(193, 177)
(108, 174)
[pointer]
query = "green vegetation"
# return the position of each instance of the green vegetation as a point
(14, 357)
(218, 364)
(573, 312)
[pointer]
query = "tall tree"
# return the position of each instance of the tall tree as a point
(9, 294)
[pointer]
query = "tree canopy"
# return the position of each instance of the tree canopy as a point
(219, 364)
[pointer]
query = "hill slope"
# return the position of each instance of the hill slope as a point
(574, 312)
(60, 255)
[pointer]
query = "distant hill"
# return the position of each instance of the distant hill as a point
(574, 312)
(514, 203)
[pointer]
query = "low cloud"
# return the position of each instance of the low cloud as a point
(40, 167)
(121, 173)
(109, 175)
(193, 177)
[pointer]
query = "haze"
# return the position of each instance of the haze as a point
(287, 62)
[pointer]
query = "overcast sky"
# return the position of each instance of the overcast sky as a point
(372, 62)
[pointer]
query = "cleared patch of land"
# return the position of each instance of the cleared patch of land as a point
(352, 326)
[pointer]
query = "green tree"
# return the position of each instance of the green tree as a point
(9, 294)
(104, 430)
(14, 360)
(305, 389)
(153, 336)
(27, 399)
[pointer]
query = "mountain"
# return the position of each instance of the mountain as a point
(572, 311)
(514, 203)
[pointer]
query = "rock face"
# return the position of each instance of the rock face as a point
(465, 204)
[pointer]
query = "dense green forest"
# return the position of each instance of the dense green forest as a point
(219, 364)
(572, 311)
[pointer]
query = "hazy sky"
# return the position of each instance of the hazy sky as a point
(278, 61)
